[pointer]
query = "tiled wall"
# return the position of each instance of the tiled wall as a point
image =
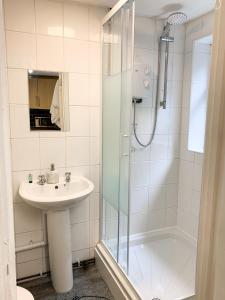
(52, 35)
(190, 172)
(154, 170)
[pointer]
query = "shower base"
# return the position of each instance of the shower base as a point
(162, 265)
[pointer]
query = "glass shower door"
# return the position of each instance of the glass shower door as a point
(117, 76)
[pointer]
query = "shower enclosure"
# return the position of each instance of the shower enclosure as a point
(117, 92)
(151, 181)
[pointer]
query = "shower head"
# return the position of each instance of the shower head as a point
(177, 18)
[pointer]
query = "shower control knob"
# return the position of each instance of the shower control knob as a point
(146, 83)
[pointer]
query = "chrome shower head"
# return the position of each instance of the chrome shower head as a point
(177, 18)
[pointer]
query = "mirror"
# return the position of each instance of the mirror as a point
(48, 100)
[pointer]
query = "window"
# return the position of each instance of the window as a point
(201, 60)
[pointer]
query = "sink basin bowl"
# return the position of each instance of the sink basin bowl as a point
(56, 196)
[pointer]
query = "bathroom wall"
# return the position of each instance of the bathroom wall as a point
(190, 171)
(53, 35)
(154, 170)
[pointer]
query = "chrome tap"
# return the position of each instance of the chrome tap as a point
(41, 179)
(68, 176)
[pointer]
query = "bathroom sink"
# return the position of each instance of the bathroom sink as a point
(56, 196)
(56, 200)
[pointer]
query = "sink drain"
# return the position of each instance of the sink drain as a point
(155, 299)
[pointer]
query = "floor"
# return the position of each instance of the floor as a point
(163, 268)
(87, 282)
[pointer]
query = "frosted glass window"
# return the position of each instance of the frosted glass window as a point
(201, 60)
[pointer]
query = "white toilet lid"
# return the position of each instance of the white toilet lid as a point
(23, 294)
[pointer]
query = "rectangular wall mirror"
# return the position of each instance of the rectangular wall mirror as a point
(48, 100)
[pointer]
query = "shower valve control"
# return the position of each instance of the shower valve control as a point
(146, 83)
(163, 104)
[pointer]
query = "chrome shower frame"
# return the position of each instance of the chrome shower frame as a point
(167, 39)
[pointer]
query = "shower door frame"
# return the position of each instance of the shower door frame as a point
(119, 5)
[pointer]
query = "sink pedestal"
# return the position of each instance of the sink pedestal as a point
(60, 250)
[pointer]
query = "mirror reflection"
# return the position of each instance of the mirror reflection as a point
(48, 100)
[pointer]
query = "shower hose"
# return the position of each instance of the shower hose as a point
(156, 107)
(86, 297)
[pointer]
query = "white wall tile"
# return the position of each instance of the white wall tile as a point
(171, 216)
(19, 15)
(80, 171)
(171, 195)
(18, 86)
(172, 171)
(80, 212)
(92, 253)
(175, 118)
(144, 38)
(138, 200)
(159, 147)
(178, 66)
(157, 198)
(95, 23)
(197, 177)
(52, 134)
(22, 239)
(94, 90)
(20, 122)
(94, 233)
(52, 150)
(76, 21)
(78, 89)
(29, 268)
(94, 177)
(94, 206)
(139, 222)
(25, 54)
(79, 121)
(157, 219)
(29, 255)
(49, 53)
(76, 55)
(139, 174)
(49, 17)
(173, 146)
(25, 154)
(94, 121)
(94, 151)
(27, 218)
(158, 172)
(80, 255)
(80, 236)
(77, 151)
(94, 55)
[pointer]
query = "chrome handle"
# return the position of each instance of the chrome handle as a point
(42, 179)
(68, 176)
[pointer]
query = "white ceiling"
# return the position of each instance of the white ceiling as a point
(153, 8)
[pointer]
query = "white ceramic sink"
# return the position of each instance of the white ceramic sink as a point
(56, 196)
(56, 200)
